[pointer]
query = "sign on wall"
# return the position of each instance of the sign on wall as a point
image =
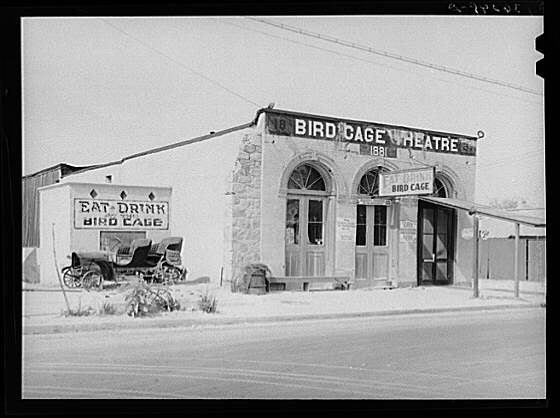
(117, 214)
(407, 182)
(374, 139)
(407, 236)
(345, 229)
(408, 230)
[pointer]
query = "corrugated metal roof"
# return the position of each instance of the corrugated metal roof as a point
(63, 168)
(475, 208)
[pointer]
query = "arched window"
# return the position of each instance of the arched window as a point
(439, 188)
(369, 184)
(306, 177)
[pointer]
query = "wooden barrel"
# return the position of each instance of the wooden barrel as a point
(257, 284)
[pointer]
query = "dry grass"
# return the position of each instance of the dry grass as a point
(208, 304)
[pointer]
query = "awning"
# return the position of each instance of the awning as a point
(475, 208)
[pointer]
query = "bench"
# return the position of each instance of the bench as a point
(307, 283)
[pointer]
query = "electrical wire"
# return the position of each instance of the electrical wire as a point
(500, 164)
(238, 95)
(396, 56)
(528, 155)
(506, 164)
(540, 103)
(521, 209)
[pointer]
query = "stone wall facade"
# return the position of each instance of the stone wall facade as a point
(245, 232)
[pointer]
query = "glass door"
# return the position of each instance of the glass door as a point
(305, 236)
(372, 245)
(435, 251)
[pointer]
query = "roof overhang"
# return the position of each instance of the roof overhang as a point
(478, 209)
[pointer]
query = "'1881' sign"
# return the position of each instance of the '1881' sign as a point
(115, 214)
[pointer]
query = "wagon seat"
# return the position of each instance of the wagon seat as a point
(170, 247)
(135, 255)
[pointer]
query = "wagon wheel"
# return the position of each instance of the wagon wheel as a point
(71, 277)
(93, 279)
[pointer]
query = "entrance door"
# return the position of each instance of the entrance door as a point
(372, 245)
(305, 236)
(435, 246)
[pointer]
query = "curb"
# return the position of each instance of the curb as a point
(510, 291)
(50, 290)
(159, 323)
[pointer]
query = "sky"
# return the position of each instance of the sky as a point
(98, 89)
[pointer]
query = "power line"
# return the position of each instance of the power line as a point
(520, 209)
(181, 64)
(396, 56)
(379, 64)
(507, 163)
(530, 155)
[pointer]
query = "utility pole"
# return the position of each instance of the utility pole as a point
(516, 261)
(475, 256)
(58, 272)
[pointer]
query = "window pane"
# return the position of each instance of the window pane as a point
(427, 246)
(439, 188)
(428, 221)
(315, 222)
(111, 240)
(441, 272)
(314, 180)
(380, 235)
(292, 222)
(441, 246)
(380, 226)
(315, 211)
(380, 215)
(306, 177)
(369, 183)
(297, 178)
(361, 214)
(292, 184)
(442, 217)
(361, 224)
(427, 273)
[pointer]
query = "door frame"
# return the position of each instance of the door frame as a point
(451, 242)
(370, 249)
(304, 246)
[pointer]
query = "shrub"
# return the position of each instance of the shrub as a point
(108, 309)
(79, 311)
(208, 304)
(343, 285)
(145, 299)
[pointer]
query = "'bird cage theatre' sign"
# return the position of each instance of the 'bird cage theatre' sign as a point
(114, 214)
(374, 139)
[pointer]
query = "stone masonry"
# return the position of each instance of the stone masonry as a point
(246, 205)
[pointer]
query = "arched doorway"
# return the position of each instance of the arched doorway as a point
(372, 258)
(306, 214)
(436, 232)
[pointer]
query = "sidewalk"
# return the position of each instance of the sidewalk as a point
(43, 307)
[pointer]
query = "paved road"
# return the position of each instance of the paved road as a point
(438, 356)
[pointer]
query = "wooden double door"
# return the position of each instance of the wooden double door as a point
(372, 245)
(436, 238)
(306, 240)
